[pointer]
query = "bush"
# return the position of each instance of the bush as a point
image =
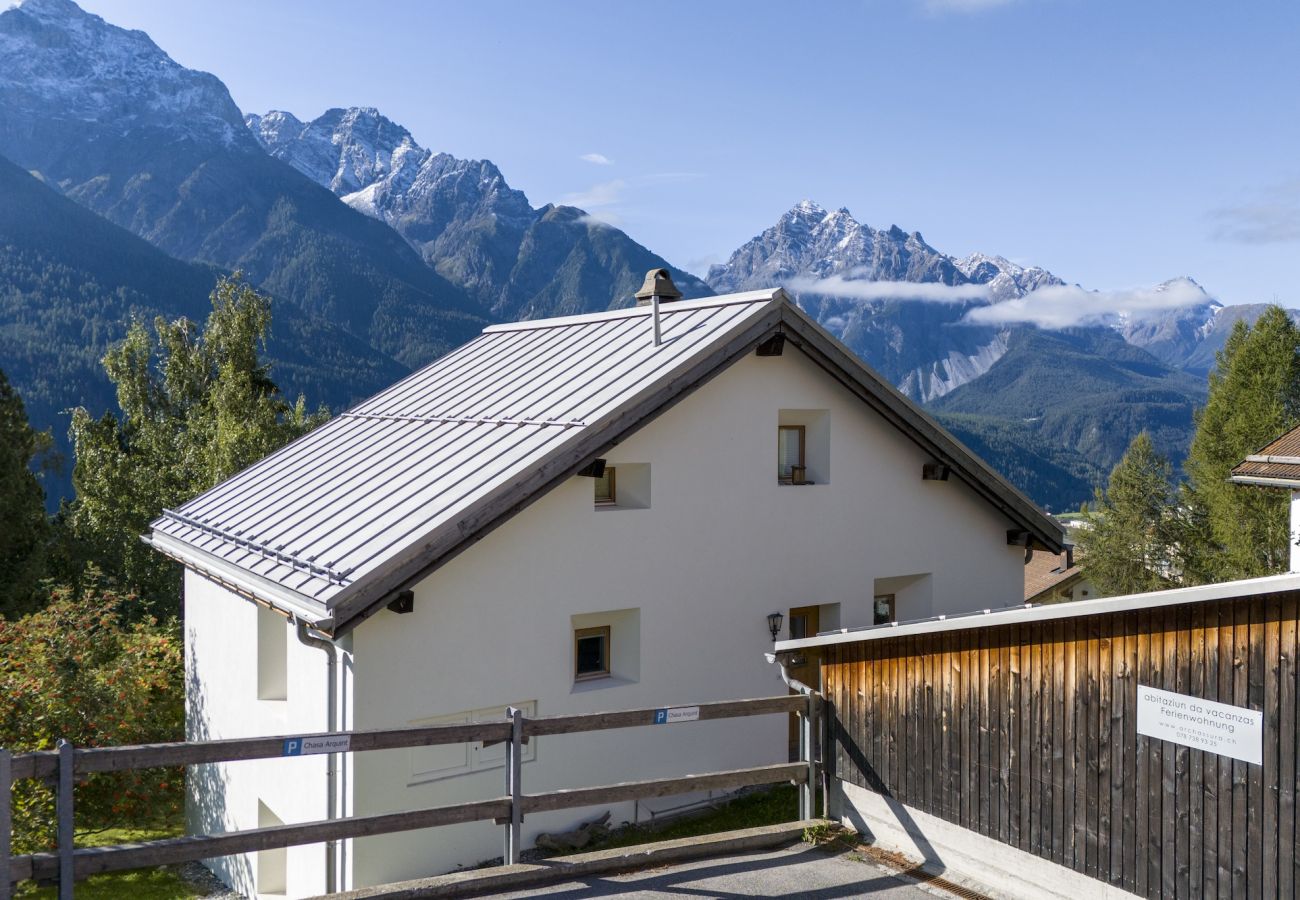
(76, 670)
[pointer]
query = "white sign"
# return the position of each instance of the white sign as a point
(1201, 724)
(677, 714)
(307, 746)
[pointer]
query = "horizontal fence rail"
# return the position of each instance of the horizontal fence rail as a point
(514, 731)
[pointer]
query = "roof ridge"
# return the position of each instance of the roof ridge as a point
(631, 312)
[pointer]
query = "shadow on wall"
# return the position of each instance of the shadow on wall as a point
(206, 785)
(932, 865)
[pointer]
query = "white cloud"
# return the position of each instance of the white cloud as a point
(599, 159)
(603, 219)
(860, 289)
(1067, 305)
(598, 196)
(1271, 217)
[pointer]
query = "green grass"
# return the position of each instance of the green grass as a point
(162, 883)
(770, 807)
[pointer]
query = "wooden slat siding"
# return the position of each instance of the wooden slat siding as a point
(1240, 691)
(985, 778)
(1196, 760)
(1130, 749)
(1168, 759)
(1105, 686)
(1227, 677)
(1254, 779)
(1142, 778)
(1070, 746)
(1272, 666)
(1161, 820)
(1288, 858)
(1058, 747)
(1182, 756)
(1210, 808)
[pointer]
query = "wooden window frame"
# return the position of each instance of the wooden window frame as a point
(602, 631)
(803, 456)
(613, 491)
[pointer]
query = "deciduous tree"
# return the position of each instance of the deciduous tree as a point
(197, 406)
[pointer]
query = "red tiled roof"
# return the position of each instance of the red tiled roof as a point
(1279, 460)
(1047, 571)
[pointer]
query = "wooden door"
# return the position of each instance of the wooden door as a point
(806, 667)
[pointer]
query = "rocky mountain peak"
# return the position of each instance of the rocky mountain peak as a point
(59, 63)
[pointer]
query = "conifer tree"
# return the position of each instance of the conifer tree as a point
(1234, 531)
(1131, 545)
(196, 408)
(23, 524)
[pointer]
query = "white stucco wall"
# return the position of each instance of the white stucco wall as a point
(221, 667)
(721, 545)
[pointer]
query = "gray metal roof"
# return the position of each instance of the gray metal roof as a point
(331, 526)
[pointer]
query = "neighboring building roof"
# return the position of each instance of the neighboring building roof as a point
(1046, 572)
(1275, 465)
(332, 526)
(1012, 615)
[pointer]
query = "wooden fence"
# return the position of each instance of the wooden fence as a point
(1026, 733)
(66, 764)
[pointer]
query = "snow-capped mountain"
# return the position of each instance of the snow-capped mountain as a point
(833, 263)
(62, 67)
(464, 218)
(161, 150)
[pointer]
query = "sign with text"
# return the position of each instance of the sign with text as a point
(307, 746)
(673, 715)
(1201, 724)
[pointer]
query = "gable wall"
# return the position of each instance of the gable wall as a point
(221, 669)
(721, 546)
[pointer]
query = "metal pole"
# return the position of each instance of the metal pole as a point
(514, 773)
(6, 825)
(806, 755)
(64, 809)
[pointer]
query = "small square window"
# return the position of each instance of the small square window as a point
(606, 493)
(591, 653)
(790, 466)
(883, 611)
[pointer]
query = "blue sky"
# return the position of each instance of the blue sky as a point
(1116, 143)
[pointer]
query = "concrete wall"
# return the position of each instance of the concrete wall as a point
(989, 867)
(224, 655)
(720, 546)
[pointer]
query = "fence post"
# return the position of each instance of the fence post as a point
(514, 772)
(6, 825)
(806, 755)
(64, 809)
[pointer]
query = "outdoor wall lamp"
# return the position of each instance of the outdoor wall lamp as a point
(774, 623)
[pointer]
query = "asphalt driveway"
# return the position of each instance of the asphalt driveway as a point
(797, 871)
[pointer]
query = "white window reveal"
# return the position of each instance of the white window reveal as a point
(272, 865)
(605, 649)
(803, 446)
(272, 655)
(623, 486)
(449, 760)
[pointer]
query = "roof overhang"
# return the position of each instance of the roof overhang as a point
(262, 591)
(1262, 481)
(1013, 615)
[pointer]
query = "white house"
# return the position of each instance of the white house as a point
(452, 546)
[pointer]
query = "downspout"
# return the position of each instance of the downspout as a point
(793, 684)
(308, 639)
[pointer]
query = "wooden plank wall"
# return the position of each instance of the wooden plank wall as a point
(1027, 734)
